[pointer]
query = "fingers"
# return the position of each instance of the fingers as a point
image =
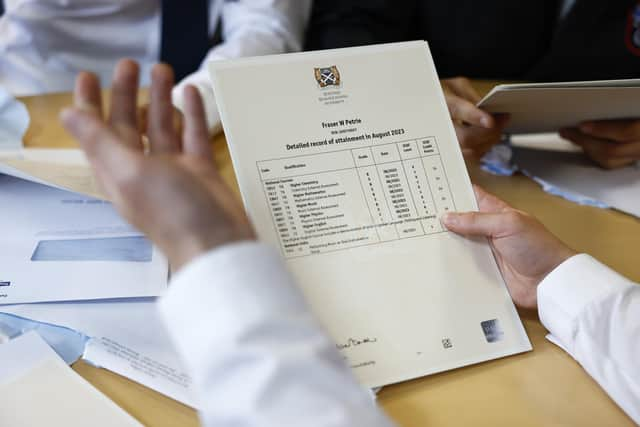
(124, 95)
(615, 130)
(462, 110)
(480, 140)
(108, 157)
(606, 153)
(87, 95)
(161, 130)
(462, 87)
(487, 202)
(196, 134)
(491, 225)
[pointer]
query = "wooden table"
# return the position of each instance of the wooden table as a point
(545, 387)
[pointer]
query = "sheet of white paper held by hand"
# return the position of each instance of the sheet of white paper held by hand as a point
(346, 168)
(39, 389)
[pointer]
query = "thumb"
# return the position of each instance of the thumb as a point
(476, 223)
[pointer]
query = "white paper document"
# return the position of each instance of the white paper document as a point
(14, 121)
(126, 337)
(60, 246)
(39, 389)
(573, 172)
(346, 159)
(547, 107)
(65, 169)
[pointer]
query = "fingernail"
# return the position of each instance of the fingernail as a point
(449, 219)
(485, 122)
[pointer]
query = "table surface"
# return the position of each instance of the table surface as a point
(542, 387)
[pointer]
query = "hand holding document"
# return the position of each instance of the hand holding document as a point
(346, 168)
(39, 389)
(545, 107)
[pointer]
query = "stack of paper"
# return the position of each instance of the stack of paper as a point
(547, 107)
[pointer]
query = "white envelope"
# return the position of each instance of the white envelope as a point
(61, 246)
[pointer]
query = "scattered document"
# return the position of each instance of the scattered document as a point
(39, 389)
(346, 159)
(68, 343)
(14, 121)
(546, 107)
(575, 173)
(65, 169)
(564, 171)
(61, 246)
(124, 336)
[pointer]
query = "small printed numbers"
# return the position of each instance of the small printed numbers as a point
(446, 343)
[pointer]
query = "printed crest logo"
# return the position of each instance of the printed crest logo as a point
(328, 76)
(632, 36)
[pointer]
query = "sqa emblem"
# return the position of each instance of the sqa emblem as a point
(327, 76)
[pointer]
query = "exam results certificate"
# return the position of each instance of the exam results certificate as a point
(346, 159)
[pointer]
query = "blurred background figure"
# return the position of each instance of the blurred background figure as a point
(545, 40)
(45, 43)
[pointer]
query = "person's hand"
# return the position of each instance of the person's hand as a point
(476, 129)
(143, 119)
(525, 251)
(610, 143)
(174, 194)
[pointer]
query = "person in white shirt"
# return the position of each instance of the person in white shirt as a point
(272, 364)
(44, 44)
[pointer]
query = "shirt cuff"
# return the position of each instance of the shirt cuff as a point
(225, 290)
(200, 79)
(570, 289)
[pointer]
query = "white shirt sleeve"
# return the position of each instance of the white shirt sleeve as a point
(249, 28)
(256, 354)
(594, 314)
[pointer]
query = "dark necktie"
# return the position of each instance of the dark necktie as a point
(185, 34)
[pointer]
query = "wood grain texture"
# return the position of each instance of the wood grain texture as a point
(545, 387)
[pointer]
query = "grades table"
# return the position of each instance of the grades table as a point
(362, 196)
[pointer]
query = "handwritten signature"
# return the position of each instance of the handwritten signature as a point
(354, 342)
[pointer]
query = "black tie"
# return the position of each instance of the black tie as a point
(185, 34)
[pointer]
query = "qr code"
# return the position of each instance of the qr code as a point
(446, 343)
(492, 330)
